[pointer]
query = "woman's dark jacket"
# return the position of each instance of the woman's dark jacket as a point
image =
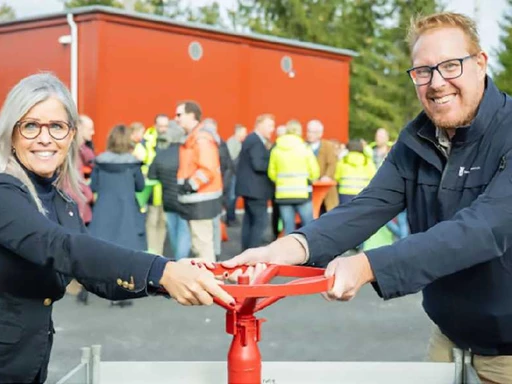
(38, 258)
(116, 215)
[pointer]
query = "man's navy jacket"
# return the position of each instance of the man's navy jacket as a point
(460, 214)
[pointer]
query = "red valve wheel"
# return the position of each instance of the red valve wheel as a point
(311, 280)
(244, 358)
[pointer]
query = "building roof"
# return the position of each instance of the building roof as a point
(190, 25)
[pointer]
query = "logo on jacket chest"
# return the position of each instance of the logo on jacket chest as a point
(464, 171)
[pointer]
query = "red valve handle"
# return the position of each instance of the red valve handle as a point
(311, 280)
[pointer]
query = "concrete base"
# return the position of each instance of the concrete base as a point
(280, 372)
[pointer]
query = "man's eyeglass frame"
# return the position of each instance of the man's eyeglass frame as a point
(436, 68)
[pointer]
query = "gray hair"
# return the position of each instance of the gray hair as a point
(27, 93)
(175, 134)
(210, 124)
(316, 125)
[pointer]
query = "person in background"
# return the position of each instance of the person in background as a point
(234, 144)
(85, 200)
(87, 126)
(280, 130)
(227, 170)
(252, 182)
(293, 167)
(137, 130)
(380, 149)
(340, 149)
(43, 242)
(353, 172)
(199, 179)
(86, 149)
(165, 169)
(84, 164)
(276, 217)
(156, 228)
(326, 156)
(115, 178)
(381, 146)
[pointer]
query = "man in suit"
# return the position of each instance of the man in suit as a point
(326, 155)
(252, 182)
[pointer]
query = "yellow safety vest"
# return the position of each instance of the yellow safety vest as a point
(291, 166)
(150, 140)
(353, 173)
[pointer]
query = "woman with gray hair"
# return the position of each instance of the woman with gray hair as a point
(43, 242)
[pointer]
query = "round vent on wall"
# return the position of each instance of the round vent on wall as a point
(195, 50)
(287, 64)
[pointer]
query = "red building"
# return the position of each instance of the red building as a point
(125, 67)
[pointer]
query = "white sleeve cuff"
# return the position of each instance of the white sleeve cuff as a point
(304, 243)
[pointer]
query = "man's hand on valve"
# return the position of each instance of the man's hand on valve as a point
(285, 251)
(350, 274)
(190, 282)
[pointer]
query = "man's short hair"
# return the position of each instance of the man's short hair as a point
(239, 127)
(161, 115)
(136, 126)
(355, 145)
(421, 24)
(192, 107)
(263, 117)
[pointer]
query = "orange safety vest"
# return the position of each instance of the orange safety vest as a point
(200, 164)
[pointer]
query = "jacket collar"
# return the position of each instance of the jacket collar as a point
(421, 129)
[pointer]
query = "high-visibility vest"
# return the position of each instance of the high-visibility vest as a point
(200, 164)
(292, 167)
(150, 140)
(353, 173)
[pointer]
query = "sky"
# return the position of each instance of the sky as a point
(489, 14)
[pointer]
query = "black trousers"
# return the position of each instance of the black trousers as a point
(255, 222)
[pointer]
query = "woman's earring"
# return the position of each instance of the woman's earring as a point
(13, 150)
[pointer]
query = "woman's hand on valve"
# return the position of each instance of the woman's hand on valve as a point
(350, 274)
(191, 283)
(285, 251)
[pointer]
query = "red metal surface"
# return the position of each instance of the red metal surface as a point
(130, 69)
(244, 358)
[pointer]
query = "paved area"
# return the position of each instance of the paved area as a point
(306, 328)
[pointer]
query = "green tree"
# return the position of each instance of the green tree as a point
(207, 14)
(6, 13)
(503, 77)
(169, 8)
(373, 88)
(83, 3)
(400, 56)
(172, 9)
